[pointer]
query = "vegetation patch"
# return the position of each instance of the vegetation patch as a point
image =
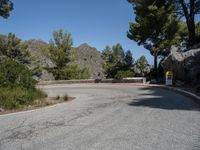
(17, 87)
(124, 74)
(39, 103)
(14, 98)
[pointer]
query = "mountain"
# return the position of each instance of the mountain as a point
(84, 56)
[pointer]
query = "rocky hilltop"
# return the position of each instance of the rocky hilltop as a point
(84, 55)
(185, 65)
(89, 57)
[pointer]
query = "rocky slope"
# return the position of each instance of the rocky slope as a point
(89, 57)
(84, 55)
(40, 60)
(185, 65)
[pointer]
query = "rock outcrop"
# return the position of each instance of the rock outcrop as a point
(185, 65)
(89, 57)
(39, 59)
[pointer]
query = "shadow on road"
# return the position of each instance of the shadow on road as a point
(163, 99)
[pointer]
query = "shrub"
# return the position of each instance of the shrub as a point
(11, 98)
(14, 74)
(70, 72)
(124, 74)
(57, 97)
(65, 97)
(17, 87)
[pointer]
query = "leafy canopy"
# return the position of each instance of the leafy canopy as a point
(60, 47)
(142, 65)
(5, 7)
(155, 25)
(12, 47)
(116, 59)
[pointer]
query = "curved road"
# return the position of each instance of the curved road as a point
(106, 117)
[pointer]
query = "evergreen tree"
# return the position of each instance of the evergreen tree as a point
(116, 60)
(5, 7)
(189, 9)
(60, 47)
(12, 47)
(155, 26)
(142, 64)
(128, 60)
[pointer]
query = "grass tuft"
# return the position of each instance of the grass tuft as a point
(65, 97)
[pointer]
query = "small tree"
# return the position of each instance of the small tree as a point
(142, 65)
(116, 60)
(60, 47)
(61, 53)
(128, 60)
(6, 6)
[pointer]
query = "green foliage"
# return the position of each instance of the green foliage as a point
(62, 53)
(142, 65)
(5, 7)
(198, 32)
(17, 87)
(60, 48)
(189, 9)
(13, 74)
(15, 97)
(70, 72)
(116, 59)
(124, 74)
(12, 47)
(66, 97)
(128, 60)
(155, 25)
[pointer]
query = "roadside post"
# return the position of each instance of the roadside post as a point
(169, 78)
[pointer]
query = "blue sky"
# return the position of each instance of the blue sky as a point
(96, 22)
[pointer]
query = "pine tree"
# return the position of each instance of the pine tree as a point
(6, 6)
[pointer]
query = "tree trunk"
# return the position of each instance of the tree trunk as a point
(156, 66)
(190, 19)
(192, 34)
(191, 26)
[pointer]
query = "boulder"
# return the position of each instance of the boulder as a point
(185, 65)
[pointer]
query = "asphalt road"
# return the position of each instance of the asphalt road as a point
(106, 117)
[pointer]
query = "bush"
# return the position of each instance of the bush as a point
(12, 98)
(65, 97)
(17, 87)
(14, 74)
(70, 72)
(124, 74)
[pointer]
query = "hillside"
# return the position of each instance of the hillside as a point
(84, 55)
(89, 57)
(39, 59)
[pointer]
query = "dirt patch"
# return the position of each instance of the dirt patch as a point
(39, 104)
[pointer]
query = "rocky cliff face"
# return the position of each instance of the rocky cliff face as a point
(90, 58)
(40, 60)
(185, 65)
